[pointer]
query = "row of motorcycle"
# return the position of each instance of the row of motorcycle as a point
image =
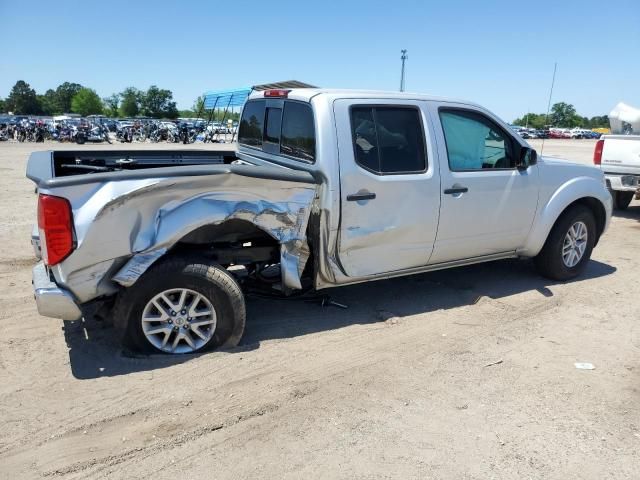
(29, 131)
(155, 132)
(39, 132)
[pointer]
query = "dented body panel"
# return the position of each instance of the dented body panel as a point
(123, 224)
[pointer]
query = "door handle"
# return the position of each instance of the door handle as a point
(453, 191)
(356, 197)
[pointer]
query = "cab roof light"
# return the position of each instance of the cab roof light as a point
(277, 93)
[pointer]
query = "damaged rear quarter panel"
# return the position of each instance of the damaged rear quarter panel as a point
(126, 223)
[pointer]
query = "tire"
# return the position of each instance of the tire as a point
(621, 200)
(80, 139)
(212, 282)
(550, 262)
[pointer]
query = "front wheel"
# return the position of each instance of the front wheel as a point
(568, 247)
(181, 306)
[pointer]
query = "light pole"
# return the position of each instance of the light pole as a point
(403, 57)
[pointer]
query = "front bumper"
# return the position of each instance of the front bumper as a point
(622, 182)
(52, 301)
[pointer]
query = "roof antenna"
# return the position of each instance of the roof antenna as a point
(546, 121)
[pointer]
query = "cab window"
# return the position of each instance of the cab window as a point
(286, 129)
(251, 125)
(474, 142)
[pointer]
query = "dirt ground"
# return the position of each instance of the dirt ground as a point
(461, 374)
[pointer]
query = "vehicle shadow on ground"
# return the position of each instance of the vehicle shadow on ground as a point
(632, 212)
(94, 350)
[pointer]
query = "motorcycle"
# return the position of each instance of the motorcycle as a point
(97, 133)
(125, 135)
(40, 134)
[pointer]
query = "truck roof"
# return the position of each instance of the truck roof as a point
(306, 94)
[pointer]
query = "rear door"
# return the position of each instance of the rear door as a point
(390, 188)
(488, 205)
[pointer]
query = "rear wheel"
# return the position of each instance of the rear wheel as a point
(181, 306)
(621, 200)
(568, 248)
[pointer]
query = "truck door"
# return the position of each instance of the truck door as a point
(488, 205)
(389, 186)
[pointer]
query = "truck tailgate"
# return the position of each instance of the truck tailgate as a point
(621, 152)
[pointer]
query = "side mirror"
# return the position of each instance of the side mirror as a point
(528, 157)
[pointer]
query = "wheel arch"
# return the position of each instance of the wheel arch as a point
(195, 243)
(580, 191)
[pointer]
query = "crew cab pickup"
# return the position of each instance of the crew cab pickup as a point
(326, 188)
(618, 156)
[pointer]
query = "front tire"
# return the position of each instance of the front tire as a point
(181, 306)
(568, 247)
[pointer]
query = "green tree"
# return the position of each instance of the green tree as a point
(531, 120)
(49, 102)
(564, 115)
(157, 103)
(198, 106)
(64, 94)
(111, 104)
(130, 102)
(601, 121)
(3, 106)
(22, 99)
(86, 102)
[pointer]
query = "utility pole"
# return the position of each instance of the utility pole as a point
(403, 57)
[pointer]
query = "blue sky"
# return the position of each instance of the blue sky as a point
(499, 54)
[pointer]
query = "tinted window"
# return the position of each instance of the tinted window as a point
(388, 139)
(298, 131)
(250, 132)
(474, 142)
(272, 128)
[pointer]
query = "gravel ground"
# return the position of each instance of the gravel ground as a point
(460, 374)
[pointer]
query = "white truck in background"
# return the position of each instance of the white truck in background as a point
(618, 156)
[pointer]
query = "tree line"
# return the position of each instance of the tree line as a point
(562, 115)
(70, 97)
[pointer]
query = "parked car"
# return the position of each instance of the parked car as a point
(542, 133)
(327, 188)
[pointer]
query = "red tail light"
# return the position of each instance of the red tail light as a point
(279, 93)
(56, 229)
(597, 152)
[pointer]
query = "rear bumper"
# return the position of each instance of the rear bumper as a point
(52, 301)
(622, 182)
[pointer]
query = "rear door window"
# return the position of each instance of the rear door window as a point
(388, 139)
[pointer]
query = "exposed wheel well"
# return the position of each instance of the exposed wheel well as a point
(596, 208)
(232, 242)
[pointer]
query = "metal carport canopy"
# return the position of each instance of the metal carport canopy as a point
(237, 96)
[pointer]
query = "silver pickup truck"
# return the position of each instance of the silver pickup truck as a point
(326, 188)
